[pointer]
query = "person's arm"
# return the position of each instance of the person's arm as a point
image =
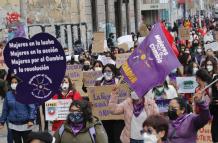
(101, 135)
(204, 114)
(32, 109)
(116, 108)
(5, 111)
(77, 96)
(57, 137)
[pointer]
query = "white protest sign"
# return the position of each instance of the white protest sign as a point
(106, 60)
(57, 109)
(124, 39)
(186, 84)
(213, 46)
(141, 39)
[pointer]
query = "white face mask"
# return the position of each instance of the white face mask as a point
(161, 88)
(149, 138)
(98, 69)
(209, 68)
(134, 95)
(13, 86)
(108, 75)
(195, 70)
(199, 50)
(65, 86)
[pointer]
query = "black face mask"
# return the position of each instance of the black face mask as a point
(172, 114)
(75, 117)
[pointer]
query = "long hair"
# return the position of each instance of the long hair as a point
(71, 85)
(85, 108)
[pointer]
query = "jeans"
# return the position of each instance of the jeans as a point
(9, 136)
(136, 141)
(18, 136)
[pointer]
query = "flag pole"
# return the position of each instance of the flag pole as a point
(209, 85)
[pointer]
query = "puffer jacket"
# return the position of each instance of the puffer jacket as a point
(66, 136)
(16, 112)
(126, 108)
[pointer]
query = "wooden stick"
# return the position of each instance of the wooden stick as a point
(42, 118)
(209, 85)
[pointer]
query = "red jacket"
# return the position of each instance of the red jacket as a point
(74, 96)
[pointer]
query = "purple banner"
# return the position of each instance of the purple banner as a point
(150, 62)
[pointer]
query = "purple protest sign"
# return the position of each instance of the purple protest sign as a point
(40, 63)
(150, 63)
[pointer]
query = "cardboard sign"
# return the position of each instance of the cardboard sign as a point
(184, 33)
(204, 134)
(163, 105)
(89, 77)
(74, 72)
(186, 84)
(213, 46)
(217, 36)
(40, 63)
(124, 46)
(100, 95)
(143, 30)
(98, 43)
(121, 59)
(106, 60)
(2, 61)
(57, 109)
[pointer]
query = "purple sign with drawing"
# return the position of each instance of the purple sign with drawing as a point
(150, 63)
(40, 63)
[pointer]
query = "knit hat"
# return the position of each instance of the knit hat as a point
(43, 136)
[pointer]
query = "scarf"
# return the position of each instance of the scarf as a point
(110, 82)
(178, 122)
(76, 128)
(138, 108)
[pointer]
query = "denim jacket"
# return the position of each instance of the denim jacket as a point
(16, 112)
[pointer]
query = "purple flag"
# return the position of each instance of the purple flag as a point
(150, 62)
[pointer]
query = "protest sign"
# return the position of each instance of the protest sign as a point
(213, 46)
(124, 46)
(89, 77)
(106, 60)
(143, 30)
(124, 39)
(100, 95)
(184, 33)
(57, 109)
(98, 43)
(2, 61)
(163, 105)
(141, 39)
(204, 134)
(74, 72)
(217, 36)
(154, 58)
(121, 59)
(186, 84)
(40, 63)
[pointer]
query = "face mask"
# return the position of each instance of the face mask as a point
(199, 50)
(108, 75)
(86, 67)
(98, 69)
(75, 117)
(160, 88)
(174, 71)
(195, 70)
(13, 86)
(209, 68)
(149, 138)
(172, 114)
(65, 86)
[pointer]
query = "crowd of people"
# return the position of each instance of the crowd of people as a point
(187, 113)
